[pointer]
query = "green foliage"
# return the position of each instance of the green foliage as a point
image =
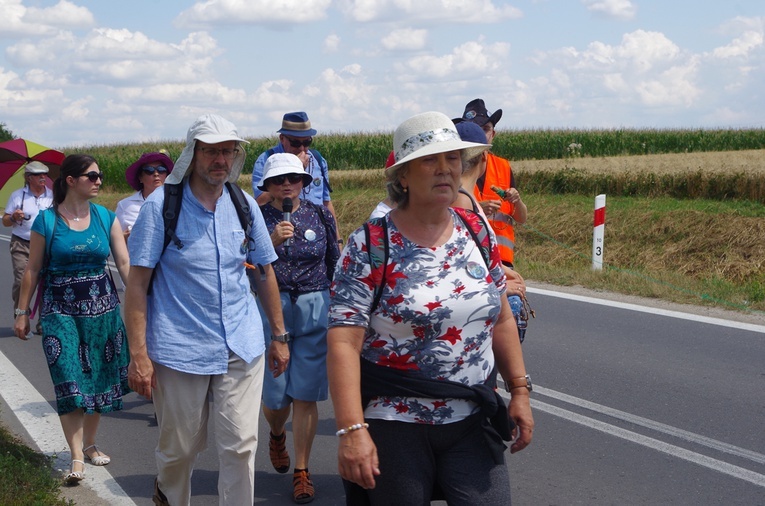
(370, 150)
(26, 475)
(682, 185)
(555, 144)
(5, 134)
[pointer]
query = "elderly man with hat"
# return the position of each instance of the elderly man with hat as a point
(295, 137)
(145, 175)
(503, 211)
(196, 344)
(23, 206)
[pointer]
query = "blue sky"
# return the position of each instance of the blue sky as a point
(75, 72)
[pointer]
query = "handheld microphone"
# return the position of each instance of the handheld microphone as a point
(287, 210)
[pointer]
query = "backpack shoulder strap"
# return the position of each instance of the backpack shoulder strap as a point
(321, 161)
(472, 199)
(242, 206)
(479, 231)
(171, 208)
(378, 252)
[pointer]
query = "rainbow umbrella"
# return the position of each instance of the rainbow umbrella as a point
(15, 154)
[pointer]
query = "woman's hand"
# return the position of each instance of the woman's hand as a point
(515, 283)
(519, 411)
(357, 458)
(21, 327)
(283, 231)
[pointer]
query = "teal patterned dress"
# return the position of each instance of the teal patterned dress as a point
(84, 337)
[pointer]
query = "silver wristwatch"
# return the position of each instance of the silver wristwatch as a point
(281, 338)
(19, 312)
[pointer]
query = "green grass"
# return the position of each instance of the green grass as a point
(27, 478)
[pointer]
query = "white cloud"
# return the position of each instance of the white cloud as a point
(741, 46)
(471, 60)
(405, 39)
(20, 21)
(257, 12)
(616, 9)
(331, 43)
(459, 11)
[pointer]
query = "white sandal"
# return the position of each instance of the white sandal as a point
(74, 477)
(99, 459)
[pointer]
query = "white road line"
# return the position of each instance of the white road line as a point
(652, 310)
(42, 423)
(657, 426)
(672, 450)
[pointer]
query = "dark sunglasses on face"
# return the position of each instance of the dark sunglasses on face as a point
(93, 176)
(149, 170)
(295, 143)
(292, 178)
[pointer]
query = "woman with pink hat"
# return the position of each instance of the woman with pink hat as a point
(145, 175)
(417, 336)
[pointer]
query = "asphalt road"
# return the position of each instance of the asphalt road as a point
(633, 405)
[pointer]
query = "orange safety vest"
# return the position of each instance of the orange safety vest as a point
(499, 173)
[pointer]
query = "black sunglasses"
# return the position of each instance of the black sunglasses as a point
(292, 178)
(297, 143)
(149, 170)
(93, 176)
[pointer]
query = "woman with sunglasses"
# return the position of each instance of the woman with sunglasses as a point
(84, 338)
(304, 236)
(145, 175)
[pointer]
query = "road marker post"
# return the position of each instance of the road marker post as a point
(598, 224)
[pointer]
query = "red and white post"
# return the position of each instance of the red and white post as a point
(599, 224)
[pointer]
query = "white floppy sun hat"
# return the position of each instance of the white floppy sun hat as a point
(426, 134)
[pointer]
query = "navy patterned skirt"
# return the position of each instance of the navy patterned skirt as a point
(84, 340)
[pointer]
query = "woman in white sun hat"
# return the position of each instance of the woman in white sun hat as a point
(307, 249)
(412, 368)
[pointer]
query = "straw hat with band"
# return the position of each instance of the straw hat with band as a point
(210, 129)
(281, 164)
(426, 134)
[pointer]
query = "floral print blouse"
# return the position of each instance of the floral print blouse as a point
(435, 317)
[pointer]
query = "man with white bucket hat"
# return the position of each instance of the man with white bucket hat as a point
(196, 342)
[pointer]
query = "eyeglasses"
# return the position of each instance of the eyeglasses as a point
(292, 178)
(93, 176)
(149, 170)
(295, 143)
(213, 153)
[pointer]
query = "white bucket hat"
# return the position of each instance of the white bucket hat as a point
(280, 164)
(211, 129)
(426, 134)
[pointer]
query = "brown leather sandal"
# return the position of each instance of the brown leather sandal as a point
(303, 486)
(277, 451)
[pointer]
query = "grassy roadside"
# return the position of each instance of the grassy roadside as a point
(26, 475)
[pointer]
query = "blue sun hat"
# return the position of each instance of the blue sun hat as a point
(296, 124)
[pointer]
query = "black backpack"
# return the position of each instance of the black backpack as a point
(171, 208)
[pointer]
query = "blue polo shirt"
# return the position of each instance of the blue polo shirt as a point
(201, 306)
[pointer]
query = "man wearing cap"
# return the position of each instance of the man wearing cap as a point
(23, 206)
(295, 136)
(502, 212)
(196, 343)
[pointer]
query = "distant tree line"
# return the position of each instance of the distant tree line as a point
(5, 134)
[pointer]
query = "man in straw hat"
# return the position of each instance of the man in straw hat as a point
(199, 337)
(502, 211)
(295, 136)
(23, 207)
